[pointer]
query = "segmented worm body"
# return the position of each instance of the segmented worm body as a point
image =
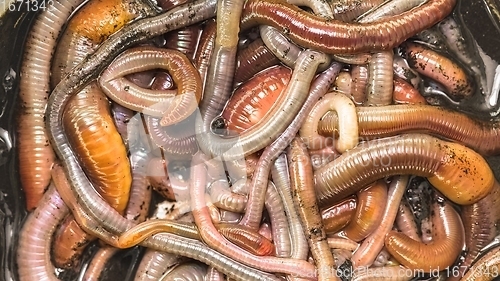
(253, 59)
(339, 215)
(486, 268)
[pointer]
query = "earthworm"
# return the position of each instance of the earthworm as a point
(154, 264)
(366, 254)
(359, 75)
(246, 239)
(223, 198)
(169, 4)
(214, 275)
(280, 231)
(187, 272)
(386, 273)
(140, 191)
(357, 59)
(304, 199)
(389, 8)
(256, 199)
(161, 81)
(92, 135)
(343, 83)
(176, 139)
(342, 243)
(339, 215)
(382, 258)
(213, 238)
(121, 118)
(486, 268)
(242, 169)
(253, 99)
(380, 79)
(281, 178)
(184, 40)
(405, 93)
(348, 126)
(440, 68)
(369, 211)
(37, 154)
(253, 59)
(333, 36)
(172, 105)
(406, 223)
(275, 122)
(319, 7)
(286, 51)
(205, 48)
(349, 10)
(405, 72)
(98, 263)
(390, 120)
(160, 181)
(33, 248)
(448, 239)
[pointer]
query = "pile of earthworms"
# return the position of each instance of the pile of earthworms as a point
(257, 140)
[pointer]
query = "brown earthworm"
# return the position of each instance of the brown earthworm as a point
(253, 59)
(440, 68)
(184, 40)
(304, 200)
(380, 79)
(368, 251)
(321, 157)
(359, 74)
(33, 248)
(369, 211)
(205, 48)
(448, 239)
(246, 239)
(390, 120)
(405, 72)
(339, 215)
(333, 36)
(37, 154)
(460, 173)
(405, 93)
(487, 268)
(172, 105)
(349, 10)
(286, 51)
(169, 4)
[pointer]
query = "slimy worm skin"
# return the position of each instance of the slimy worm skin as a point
(339, 215)
(486, 268)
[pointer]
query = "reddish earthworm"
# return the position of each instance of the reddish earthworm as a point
(304, 200)
(348, 126)
(37, 155)
(214, 239)
(254, 99)
(448, 239)
(280, 231)
(187, 272)
(253, 59)
(359, 74)
(487, 268)
(460, 173)
(405, 72)
(256, 199)
(380, 79)
(98, 146)
(369, 211)
(275, 122)
(205, 48)
(225, 199)
(333, 36)
(440, 68)
(121, 118)
(366, 254)
(339, 215)
(242, 169)
(175, 139)
(405, 93)
(390, 120)
(246, 239)
(33, 248)
(184, 40)
(172, 105)
(349, 10)
(386, 273)
(406, 223)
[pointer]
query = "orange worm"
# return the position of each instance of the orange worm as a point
(247, 239)
(405, 93)
(339, 215)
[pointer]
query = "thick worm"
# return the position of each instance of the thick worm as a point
(172, 105)
(246, 239)
(359, 75)
(460, 173)
(184, 40)
(486, 268)
(187, 272)
(223, 198)
(405, 93)
(339, 215)
(333, 36)
(349, 10)
(380, 79)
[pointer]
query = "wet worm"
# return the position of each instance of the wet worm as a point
(349, 10)
(33, 248)
(390, 120)
(368, 251)
(321, 157)
(286, 51)
(253, 59)
(154, 264)
(275, 122)
(339, 215)
(170, 4)
(223, 198)
(342, 243)
(214, 275)
(205, 48)
(304, 199)
(440, 68)
(175, 139)
(333, 36)
(447, 241)
(405, 72)
(121, 118)
(184, 40)
(380, 79)
(369, 211)
(254, 99)
(246, 239)
(460, 173)
(389, 8)
(34, 86)
(386, 273)
(172, 105)
(343, 83)
(487, 268)
(406, 223)
(94, 139)
(319, 8)
(280, 230)
(405, 93)
(187, 272)
(140, 191)
(256, 199)
(98, 263)
(348, 126)
(359, 76)
(215, 240)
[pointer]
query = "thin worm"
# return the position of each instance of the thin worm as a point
(339, 215)
(342, 243)
(333, 36)
(359, 74)
(304, 200)
(276, 120)
(440, 68)
(280, 231)
(366, 254)
(343, 83)
(176, 139)
(460, 173)
(214, 275)
(284, 50)
(33, 141)
(382, 258)
(357, 59)
(391, 120)
(448, 239)
(205, 48)
(246, 239)
(388, 273)
(319, 7)
(256, 200)
(98, 263)
(172, 105)
(253, 59)
(369, 211)
(33, 248)
(121, 119)
(349, 10)
(186, 272)
(380, 78)
(225, 199)
(348, 126)
(405, 72)
(487, 268)
(184, 40)
(405, 93)
(406, 223)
